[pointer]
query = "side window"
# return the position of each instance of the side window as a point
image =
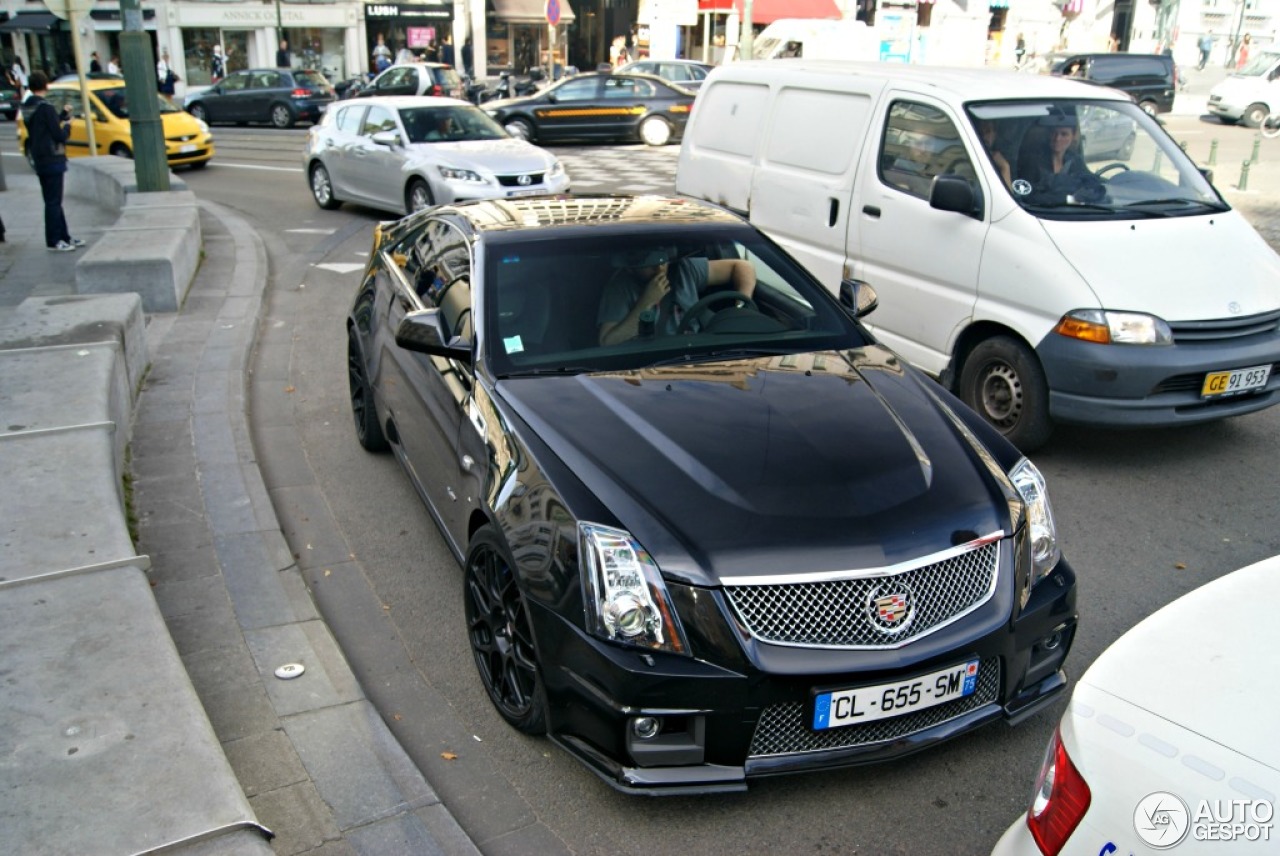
(920, 142)
(395, 78)
(627, 87)
(577, 90)
(349, 120)
(378, 119)
(236, 82)
(266, 80)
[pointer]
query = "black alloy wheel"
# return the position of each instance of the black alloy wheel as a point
(1004, 382)
(368, 431)
(501, 635)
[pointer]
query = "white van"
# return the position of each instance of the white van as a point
(1118, 290)
(1248, 95)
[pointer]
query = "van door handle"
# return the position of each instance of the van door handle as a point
(834, 215)
(871, 210)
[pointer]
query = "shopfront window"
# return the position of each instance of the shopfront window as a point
(318, 49)
(197, 51)
(498, 45)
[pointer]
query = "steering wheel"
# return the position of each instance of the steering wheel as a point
(710, 300)
(1117, 165)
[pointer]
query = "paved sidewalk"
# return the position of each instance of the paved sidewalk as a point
(318, 766)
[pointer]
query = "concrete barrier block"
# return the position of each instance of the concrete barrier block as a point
(107, 180)
(157, 263)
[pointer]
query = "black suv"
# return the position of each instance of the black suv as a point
(1149, 78)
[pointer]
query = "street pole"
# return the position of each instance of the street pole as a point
(150, 163)
(746, 44)
(78, 50)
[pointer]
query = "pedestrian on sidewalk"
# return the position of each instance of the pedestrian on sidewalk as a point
(1242, 56)
(1206, 47)
(47, 133)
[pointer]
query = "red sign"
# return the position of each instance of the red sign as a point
(553, 12)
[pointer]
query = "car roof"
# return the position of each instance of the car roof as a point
(963, 85)
(398, 102)
(551, 212)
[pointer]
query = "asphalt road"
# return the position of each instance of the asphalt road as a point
(1144, 516)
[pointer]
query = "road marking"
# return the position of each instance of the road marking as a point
(340, 267)
(311, 231)
(256, 166)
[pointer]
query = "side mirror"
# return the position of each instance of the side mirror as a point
(954, 193)
(390, 139)
(551, 97)
(424, 331)
(858, 297)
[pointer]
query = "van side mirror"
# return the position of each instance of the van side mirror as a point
(954, 193)
(858, 297)
(424, 331)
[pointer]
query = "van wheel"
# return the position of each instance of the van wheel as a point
(655, 131)
(1003, 381)
(1254, 116)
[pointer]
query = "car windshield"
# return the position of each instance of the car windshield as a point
(1091, 159)
(547, 299)
(451, 123)
(115, 100)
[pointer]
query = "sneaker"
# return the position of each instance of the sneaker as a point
(62, 247)
(76, 242)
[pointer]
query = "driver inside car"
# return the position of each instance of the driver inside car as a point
(650, 291)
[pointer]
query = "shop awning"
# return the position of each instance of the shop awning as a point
(768, 11)
(34, 22)
(529, 11)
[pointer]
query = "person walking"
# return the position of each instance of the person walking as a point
(468, 58)
(381, 54)
(1242, 55)
(165, 78)
(217, 64)
(1206, 47)
(283, 58)
(18, 74)
(94, 64)
(47, 133)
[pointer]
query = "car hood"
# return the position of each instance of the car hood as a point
(1200, 662)
(1115, 259)
(834, 461)
(500, 155)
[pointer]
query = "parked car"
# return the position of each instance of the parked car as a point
(1169, 739)
(1150, 79)
(405, 153)
(1250, 93)
(598, 106)
(416, 78)
(1044, 299)
(187, 140)
(748, 540)
(280, 96)
(8, 101)
(685, 73)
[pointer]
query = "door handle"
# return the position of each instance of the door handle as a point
(871, 210)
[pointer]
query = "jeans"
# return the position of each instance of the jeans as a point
(55, 222)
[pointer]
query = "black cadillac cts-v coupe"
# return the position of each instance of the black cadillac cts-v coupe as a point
(710, 529)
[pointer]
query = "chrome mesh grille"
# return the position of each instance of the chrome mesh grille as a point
(837, 613)
(782, 729)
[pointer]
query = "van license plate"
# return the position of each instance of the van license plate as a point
(1218, 384)
(867, 704)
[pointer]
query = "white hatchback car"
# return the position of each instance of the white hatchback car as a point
(1170, 736)
(406, 153)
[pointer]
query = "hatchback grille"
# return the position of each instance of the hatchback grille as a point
(1225, 329)
(514, 180)
(842, 613)
(782, 729)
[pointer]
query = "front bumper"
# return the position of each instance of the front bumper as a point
(1136, 385)
(726, 723)
(189, 151)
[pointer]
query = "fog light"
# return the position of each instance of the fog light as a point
(646, 727)
(1051, 642)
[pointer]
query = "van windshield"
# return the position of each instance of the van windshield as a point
(1090, 159)
(1259, 65)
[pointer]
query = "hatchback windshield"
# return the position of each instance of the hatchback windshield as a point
(308, 79)
(114, 100)
(1073, 158)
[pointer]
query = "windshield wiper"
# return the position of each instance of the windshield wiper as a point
(1073, 206)
(1178, 200)
(550, 370)
(724, 354)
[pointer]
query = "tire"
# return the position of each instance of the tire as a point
(322, 188)
(197, 110)
(1003, 381)
(500, 632)
(1270, 127)
(521, 129)
(1150, 108)
(368, 431)
(1254, 115)
(418, 197)
(120, 150)
(198, 164)
(655, 131)
(281, 116)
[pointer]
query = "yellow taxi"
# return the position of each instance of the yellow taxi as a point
(187, 140)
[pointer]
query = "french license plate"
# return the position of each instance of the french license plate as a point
(1233, 382)
(182, 150)
(839, 708)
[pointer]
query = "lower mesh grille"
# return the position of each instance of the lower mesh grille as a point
(782, 729)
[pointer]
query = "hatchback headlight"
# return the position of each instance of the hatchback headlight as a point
(202, 125)
(452, 173)
(1042, 533)
(1107, 327)
(626, 599)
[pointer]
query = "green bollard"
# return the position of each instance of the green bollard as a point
(1244, 176)
(1183, 145)
(1213, 153)
(1257, 141)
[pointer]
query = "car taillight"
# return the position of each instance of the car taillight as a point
(1060, 800)
(301, 93)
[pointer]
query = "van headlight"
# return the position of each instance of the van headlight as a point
(626, 599)
(1107, 327)
(1042, 533)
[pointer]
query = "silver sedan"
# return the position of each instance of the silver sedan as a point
(406, 153)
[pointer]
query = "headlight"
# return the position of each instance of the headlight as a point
(454, 174)
(557, 168)
(1042, 533)
(627, 601)
(202, 125)
(1118, 328)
